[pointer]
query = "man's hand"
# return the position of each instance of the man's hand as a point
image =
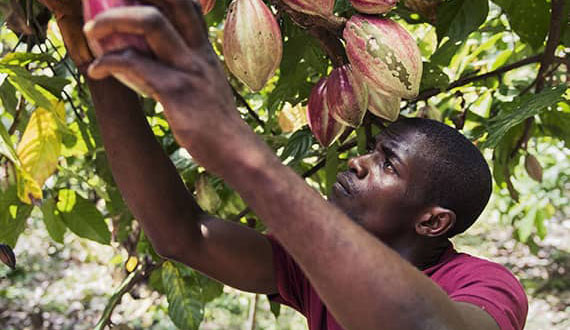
(185, 75)
(69, 17)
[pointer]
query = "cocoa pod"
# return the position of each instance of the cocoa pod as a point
(383, 105)
(384, 54)
(7, 256)
(207, 6)
(374, 6)
(119, 41)
(323, 8)
(252, 43)
(347, 97)
(321, 122)
(533, 167)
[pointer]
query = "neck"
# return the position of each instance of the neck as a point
(421, 252)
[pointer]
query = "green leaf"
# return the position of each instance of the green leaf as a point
(28, 85)
(206, 195)
(185, 310)
(331, 167)
(530, 19)
(23, 59)
(6, 146)
(13, 217)
(302, 58)
(298, 145)
(32, 92)
(82, 217)
(433, 77)
(557, 124)
(539, 224)
(456, 19)
(526, 225)
(8, 97)
(275, 308)
(52, 219)
(521, 108)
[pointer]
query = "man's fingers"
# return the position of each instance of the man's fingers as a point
(187, 17)
(164, 41)
(136, 70)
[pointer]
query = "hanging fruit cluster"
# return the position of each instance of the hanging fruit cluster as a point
(385, 64)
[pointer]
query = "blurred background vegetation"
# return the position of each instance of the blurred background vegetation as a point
(496, 70)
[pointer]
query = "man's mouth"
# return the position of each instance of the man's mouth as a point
(342, 185)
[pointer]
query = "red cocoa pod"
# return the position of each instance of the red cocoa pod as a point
(374, 6)
(347, 97)
(384, 54)
(119, 41)
(324, 127)
(533, 167)
(207, 6)
(383, 105)
(323, 8)
(252, 42)
(7, 256)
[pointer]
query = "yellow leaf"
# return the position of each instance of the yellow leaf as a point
(131, 263)
(27, 187)
(39, 150)
(292, 118)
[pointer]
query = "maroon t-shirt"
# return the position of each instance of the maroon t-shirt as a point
(465, 278)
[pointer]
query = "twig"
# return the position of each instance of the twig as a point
(19, 110)
(79, 114)
(546, 61)
(128, 283)
(250, 111)
(252, 312)
(426, 94)
(552, 43)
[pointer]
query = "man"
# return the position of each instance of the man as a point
(358, 264)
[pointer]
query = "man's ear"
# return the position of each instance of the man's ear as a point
(435, 221)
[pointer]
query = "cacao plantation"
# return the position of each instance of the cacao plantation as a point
(317, 81)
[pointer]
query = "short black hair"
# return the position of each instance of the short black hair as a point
(457, 175)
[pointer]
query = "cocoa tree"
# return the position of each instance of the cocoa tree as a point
(497, 71)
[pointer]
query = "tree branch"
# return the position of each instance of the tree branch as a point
(128, 283)
(250, 111)
(426, 94)
(546, 61)
(552, 43)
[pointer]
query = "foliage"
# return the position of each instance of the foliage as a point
(481, 76)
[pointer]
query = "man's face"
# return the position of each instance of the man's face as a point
(379, 191)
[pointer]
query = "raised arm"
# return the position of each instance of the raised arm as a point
(157, 197)
(364, 283)
(153, 190)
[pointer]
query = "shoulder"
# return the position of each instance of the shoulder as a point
(484, 283)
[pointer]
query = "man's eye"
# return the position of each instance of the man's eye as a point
(388, 165)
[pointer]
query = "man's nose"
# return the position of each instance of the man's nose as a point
(359, 165)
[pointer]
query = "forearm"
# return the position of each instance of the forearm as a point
(362, 281)
(148, 180)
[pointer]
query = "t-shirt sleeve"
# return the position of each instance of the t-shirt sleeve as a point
(291, 283)
(494, 289)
